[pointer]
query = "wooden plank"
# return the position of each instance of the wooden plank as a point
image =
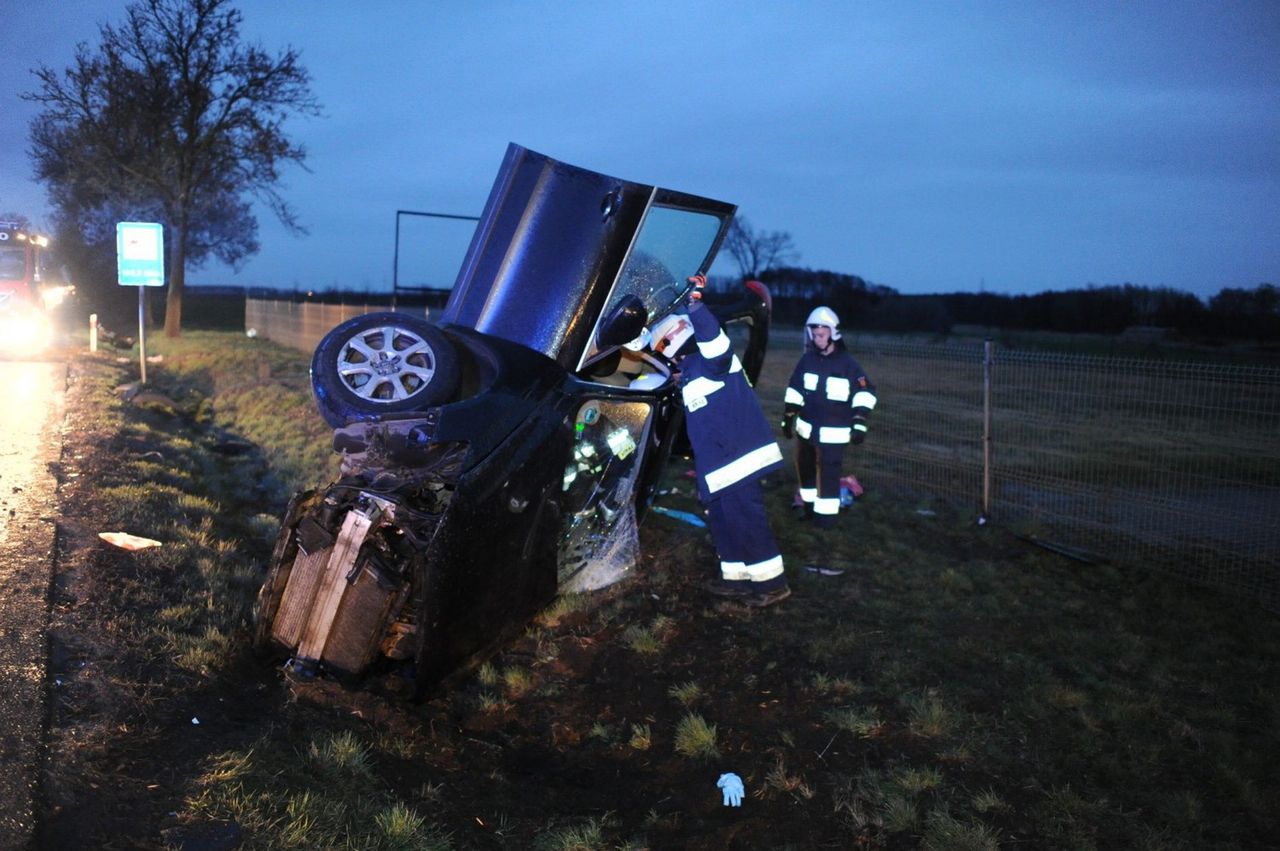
(333, 584)
(298, 597)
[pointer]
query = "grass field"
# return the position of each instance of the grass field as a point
(1144, 462)
(956, 689)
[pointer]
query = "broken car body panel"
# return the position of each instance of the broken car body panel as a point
(458, 518)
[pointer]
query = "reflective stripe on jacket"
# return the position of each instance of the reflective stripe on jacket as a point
(732, 441)
(831, 395)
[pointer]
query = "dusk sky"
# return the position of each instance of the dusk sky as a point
(930, 147)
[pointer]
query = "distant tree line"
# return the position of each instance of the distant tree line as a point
(1232, 314)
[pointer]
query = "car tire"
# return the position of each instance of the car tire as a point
(382, 363)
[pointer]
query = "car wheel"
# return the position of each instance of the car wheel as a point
(381, 363)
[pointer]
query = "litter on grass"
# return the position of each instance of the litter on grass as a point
(824, 570)
(683, 516)
(125, 541)
(731, 785)
(851, 484)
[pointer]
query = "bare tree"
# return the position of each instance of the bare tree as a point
(173, 117)
(757, 252)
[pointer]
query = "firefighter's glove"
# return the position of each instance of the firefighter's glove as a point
(731, 784)
(789, 426)
(859, 431)
(698, 281)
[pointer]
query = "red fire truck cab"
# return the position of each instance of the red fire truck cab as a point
(29, 289)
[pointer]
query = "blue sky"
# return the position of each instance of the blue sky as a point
(930, 147)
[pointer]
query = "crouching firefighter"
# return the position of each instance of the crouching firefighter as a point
(827, 402)
(733, 449)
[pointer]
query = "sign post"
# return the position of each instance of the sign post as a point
(140, 263)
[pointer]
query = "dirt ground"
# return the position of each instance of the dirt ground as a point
(125, 747)
(920, 676)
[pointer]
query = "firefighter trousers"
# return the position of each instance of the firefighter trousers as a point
(744, 542)
(818, 467)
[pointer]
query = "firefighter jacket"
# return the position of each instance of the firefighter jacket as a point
(831, 396)
(732, 441)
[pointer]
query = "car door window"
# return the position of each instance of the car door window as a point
(672, 244)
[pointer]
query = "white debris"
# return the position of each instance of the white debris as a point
(125, 541)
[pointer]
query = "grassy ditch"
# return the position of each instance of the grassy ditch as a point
(954, 689)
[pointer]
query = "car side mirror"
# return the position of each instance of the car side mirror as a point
(623, 324)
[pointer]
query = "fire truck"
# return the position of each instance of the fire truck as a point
(30, 287)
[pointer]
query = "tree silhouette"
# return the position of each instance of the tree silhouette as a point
(172, 119)
(758, 252)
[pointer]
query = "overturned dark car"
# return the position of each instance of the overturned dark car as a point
(508, 453)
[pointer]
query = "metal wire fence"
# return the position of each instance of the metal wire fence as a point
(301, 325)
(1171, 465)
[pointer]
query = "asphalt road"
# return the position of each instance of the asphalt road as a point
(30, 440)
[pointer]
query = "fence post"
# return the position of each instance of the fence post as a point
(987, 347)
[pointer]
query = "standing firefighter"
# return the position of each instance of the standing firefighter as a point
(827, 404)
(733, 448)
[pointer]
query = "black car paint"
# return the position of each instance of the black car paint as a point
(549, 245)
(476, 481)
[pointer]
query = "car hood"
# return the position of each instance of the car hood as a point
(559, 248)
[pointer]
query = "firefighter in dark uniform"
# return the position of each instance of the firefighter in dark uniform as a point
(733, 448)
(827, 402)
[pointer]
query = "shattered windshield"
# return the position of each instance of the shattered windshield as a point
(672, 244)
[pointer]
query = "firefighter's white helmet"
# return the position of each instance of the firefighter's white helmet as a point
(822, 316)
(670, 334)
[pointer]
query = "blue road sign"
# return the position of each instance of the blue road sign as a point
(140, 254)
